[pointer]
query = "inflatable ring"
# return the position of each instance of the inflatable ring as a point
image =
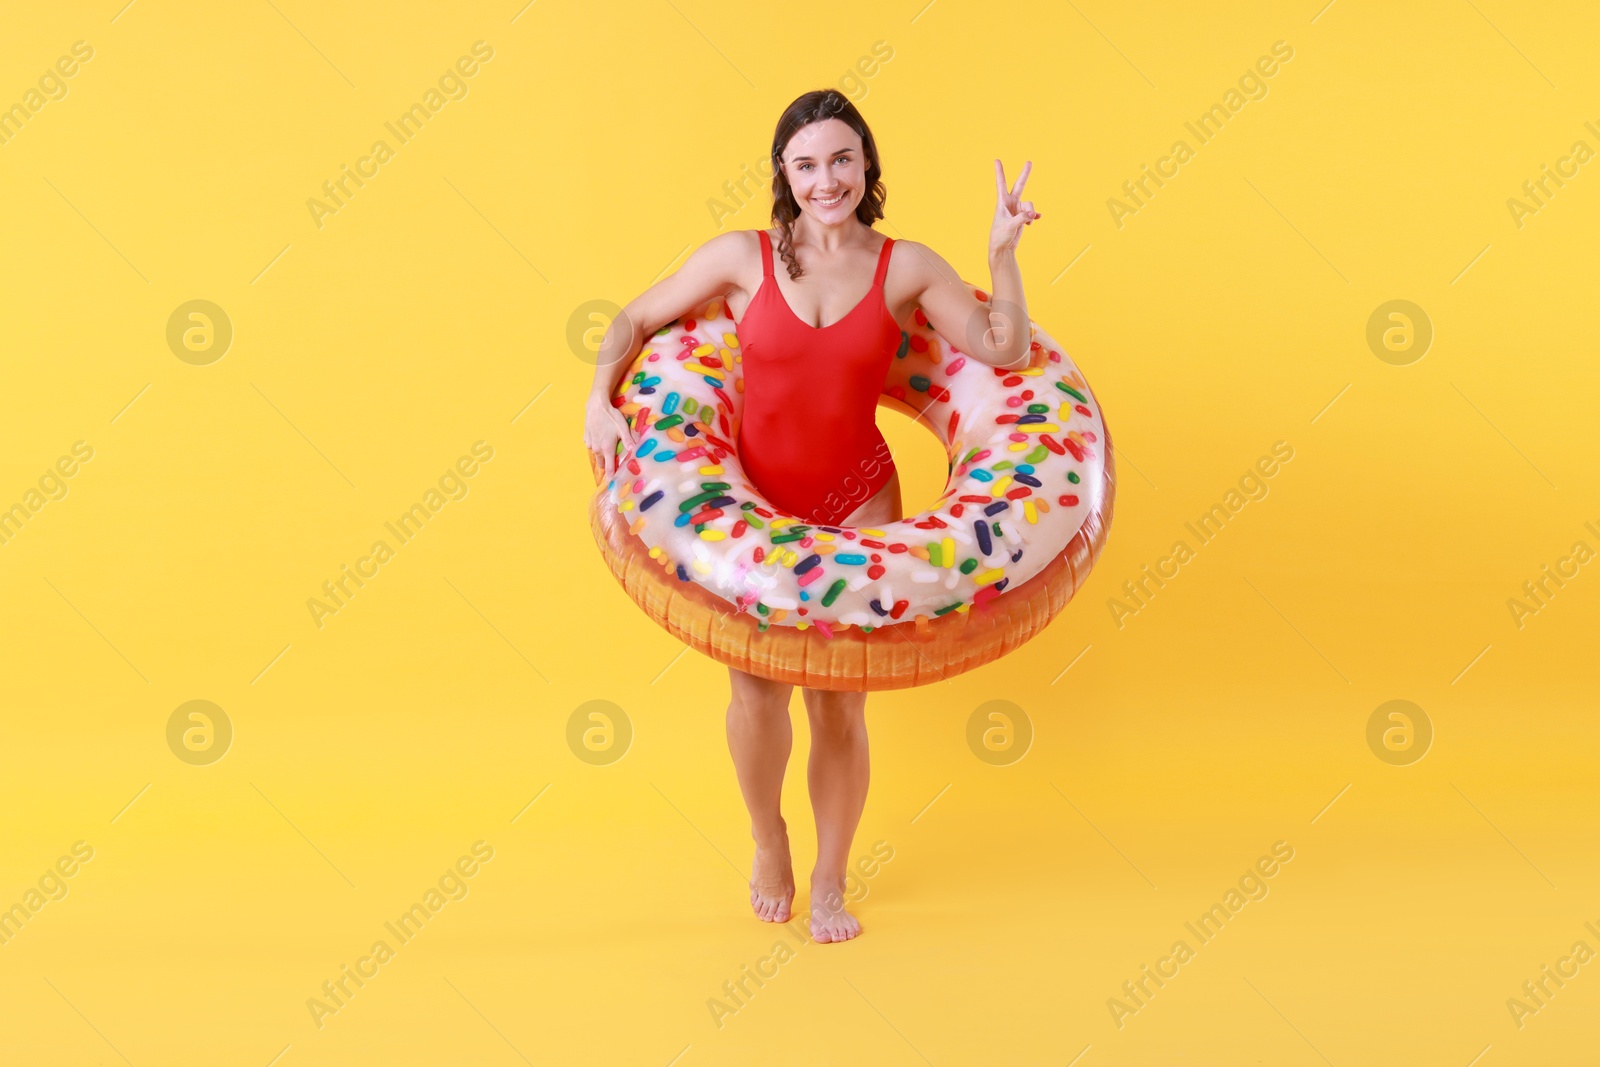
(1023, 517)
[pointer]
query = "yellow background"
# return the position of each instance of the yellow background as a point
(368, 354)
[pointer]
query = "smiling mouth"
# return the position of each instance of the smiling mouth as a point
(827, 203)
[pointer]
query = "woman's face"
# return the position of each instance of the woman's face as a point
(826, 170)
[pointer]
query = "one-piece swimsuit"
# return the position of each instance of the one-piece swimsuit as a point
(808, 438)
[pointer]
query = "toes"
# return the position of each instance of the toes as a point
(832, 926)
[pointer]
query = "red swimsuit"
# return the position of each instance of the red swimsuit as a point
(808, 439)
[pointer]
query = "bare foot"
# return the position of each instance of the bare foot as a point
(829, 920)
(772, 882)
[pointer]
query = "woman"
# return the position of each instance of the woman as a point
(815, 359)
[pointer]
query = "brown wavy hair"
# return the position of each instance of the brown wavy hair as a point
(817, 106)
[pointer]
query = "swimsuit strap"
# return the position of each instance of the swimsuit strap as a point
(766, 254)
(883, 262)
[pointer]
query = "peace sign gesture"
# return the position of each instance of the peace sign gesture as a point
(1011, 212)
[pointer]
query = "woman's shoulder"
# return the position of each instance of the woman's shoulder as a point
(911, 246)
(729, 252)
(915, 260)
(734, 245)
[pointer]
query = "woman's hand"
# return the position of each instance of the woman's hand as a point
(603, 427)
(1011, 212)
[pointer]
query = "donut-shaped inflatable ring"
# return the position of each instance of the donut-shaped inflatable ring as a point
(1023, 517)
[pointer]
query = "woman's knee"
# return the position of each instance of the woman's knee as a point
(836, 716)
(758, 697)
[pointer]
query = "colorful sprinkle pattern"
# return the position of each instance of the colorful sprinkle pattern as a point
(1025, 472)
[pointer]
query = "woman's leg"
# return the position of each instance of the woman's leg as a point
(760, 737)
(838, 772)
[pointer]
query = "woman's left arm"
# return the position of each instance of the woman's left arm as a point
(995, 331)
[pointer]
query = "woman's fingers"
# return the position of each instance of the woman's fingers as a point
(1022, 179)
(624, 435)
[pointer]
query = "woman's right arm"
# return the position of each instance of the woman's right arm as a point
(711, 270)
